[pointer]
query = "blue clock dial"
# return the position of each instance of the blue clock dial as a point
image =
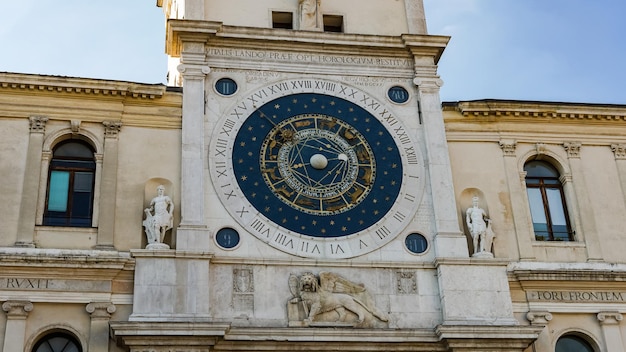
(317, 165)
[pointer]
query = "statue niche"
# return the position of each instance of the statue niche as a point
(159, 219)
(331, 301)
(479, 226)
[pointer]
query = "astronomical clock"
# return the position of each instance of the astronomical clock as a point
(317, 168)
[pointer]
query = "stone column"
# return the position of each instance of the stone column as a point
(449, 241)
(191, 234)
(519, 200)
(100, 313)
(610, 321)
(30, 188)
(415, 16)
(108, 186)
(580, 201)
(15, 331)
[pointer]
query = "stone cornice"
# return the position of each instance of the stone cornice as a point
(503, 109)
(86, 86)
(77, 264)
(595, 272)
(217, 34)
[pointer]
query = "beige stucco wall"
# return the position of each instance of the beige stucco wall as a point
(594, 195)
(148, 151)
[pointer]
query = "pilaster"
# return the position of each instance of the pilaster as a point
(619, 151)
(191, 234)
(108, 185)
(30, 188)
(610, 324)
(581, 201)
(449, 241)
(416, 18)
(517, 189)
(15, 330)
(100, 313)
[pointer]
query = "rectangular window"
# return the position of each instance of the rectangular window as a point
(59, 191)
(282, 20)
(333, 23)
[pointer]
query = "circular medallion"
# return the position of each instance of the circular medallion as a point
(316, 169)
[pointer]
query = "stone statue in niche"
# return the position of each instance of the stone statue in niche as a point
(479, 226)
(159, 219)
(331, 301)
(310, 15)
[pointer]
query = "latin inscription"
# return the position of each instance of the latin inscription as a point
(576, 296)
(23, 283)
(308, 58)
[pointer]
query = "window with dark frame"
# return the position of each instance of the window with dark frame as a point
(573, 343)
(282, 20)
(333, 23)
(57, 342)
(547, 202)
(69, 199)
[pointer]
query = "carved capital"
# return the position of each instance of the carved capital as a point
(38, 124)
(17, 309)
(508, 147)
(539, 317)
(428, 85)
(565, 178)
(100, 310)
(111, 128)
(193, 71)
(573, 149)
(619, 150)
(609, 318)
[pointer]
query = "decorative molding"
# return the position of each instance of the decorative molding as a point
(508, 147)
(619, 150)
(38, 124)
(17, 309)
(573, 149)
(545, 111)
(541, 148)
(100, 310)
(39, 83)
(75, 126)
(610, 318)
(539, 317)
(111, 128)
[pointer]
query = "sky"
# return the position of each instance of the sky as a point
(543, 50)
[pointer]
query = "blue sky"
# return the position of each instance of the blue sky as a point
(547, 50)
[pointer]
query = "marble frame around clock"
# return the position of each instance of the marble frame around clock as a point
(389, 225)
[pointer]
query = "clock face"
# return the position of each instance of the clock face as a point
(324, 173)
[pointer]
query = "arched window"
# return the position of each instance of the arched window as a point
(69, 200)
(573, 343)
(57, 342)
(547, 202)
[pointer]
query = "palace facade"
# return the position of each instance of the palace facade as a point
(299, 186)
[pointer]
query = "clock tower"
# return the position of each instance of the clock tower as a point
(317, 205)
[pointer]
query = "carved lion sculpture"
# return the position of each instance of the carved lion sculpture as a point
(324, 298)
